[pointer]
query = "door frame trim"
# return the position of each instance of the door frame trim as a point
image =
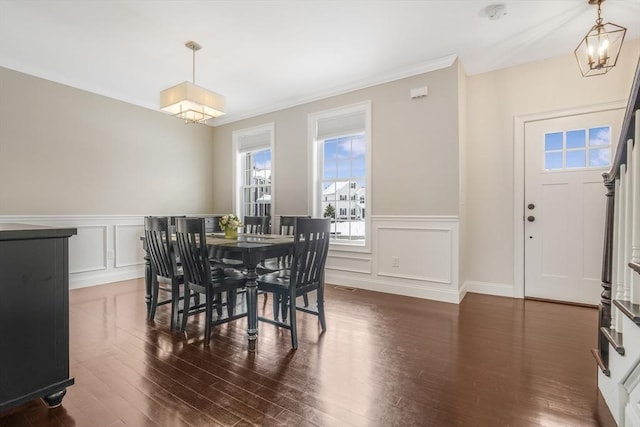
(519, 123)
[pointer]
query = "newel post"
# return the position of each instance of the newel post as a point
(604, 318)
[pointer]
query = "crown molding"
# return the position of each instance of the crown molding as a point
(425, 67)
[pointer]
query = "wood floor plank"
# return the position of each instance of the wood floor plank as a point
(385, 360)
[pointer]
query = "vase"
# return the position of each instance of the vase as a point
(231, 233)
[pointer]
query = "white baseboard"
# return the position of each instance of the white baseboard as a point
(102, 277)
(497, 289)
(422, 291)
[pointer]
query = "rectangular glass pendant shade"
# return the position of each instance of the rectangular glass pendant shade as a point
(192, 103)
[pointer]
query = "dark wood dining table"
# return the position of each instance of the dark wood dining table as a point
(251, 249)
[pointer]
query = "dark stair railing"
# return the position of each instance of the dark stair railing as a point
(608, 333)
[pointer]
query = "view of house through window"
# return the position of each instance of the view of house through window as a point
(344, 186)
(255, 191)
(253, 170)
(341, 143)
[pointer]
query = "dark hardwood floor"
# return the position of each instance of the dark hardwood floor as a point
(385, 360)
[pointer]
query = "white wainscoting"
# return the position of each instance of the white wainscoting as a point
(106, 249)
(425, 247)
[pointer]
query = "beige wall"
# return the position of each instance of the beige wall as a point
(414, 148)
(494, 99)
(462, 126)
(64, 151)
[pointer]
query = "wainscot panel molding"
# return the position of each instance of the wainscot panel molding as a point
(89, 236)
(106, 249)
(353, 264)
(128, 250)
(411, 255)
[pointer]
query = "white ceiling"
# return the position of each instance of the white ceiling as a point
(265, 55)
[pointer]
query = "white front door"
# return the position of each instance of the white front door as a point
(564, 208)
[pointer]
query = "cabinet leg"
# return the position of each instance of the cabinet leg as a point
(55, 399)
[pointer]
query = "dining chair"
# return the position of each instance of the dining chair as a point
(311, 245)
(271, 265)
(165, 273)
(256, 224)
(202, 278)
(212, 224)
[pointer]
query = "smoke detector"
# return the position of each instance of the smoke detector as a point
(495, 11)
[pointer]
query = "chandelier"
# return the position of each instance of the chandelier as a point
(192, 103)
(598, 51)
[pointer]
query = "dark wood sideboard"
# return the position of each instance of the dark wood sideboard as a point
(34, 314)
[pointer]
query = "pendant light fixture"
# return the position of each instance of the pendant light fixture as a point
(598, 51)
(193, 104)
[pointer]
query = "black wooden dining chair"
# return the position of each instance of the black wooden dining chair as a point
(202, 278)
(311, 245)
(212, 224)
(165, 274)
(257, 225)
(271, 265)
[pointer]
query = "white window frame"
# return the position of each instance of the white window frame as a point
(240, 146)
(315, 166)
(587, 149)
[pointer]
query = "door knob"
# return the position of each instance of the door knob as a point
(531, 206)
(531, 218)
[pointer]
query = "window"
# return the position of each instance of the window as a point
(253, 170)
(578, 149)
(341, 143)
(255, 194)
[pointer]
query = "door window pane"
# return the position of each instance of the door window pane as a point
(576, 138)
(599, 157)
(553, 141)
(600, 136)
(576, 159)
(553, 161)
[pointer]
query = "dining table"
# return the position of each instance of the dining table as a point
(251, 249)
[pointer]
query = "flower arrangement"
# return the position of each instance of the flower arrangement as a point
(230, 221)
(229, 224)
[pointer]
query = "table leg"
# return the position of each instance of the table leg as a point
(252, 307)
